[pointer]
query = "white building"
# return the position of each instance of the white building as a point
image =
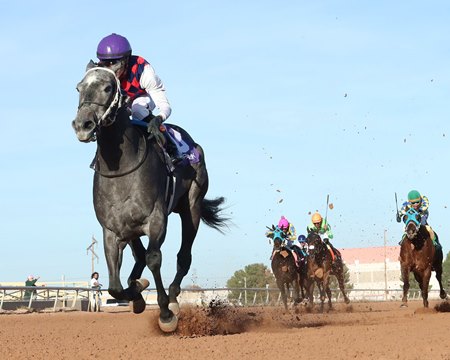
(377, 268)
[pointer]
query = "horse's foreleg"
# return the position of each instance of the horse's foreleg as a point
(425, 281)
(297, 289)
(113, 254)
(405, 278)
(322, 293)
(135, 284)
(138, 251)
(280, 285)
(310, 293)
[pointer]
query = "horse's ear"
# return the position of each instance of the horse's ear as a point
(90, 65)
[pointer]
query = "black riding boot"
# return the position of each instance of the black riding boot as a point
(173, 151)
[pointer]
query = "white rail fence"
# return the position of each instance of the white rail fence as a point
(56, 296)
(88, 299)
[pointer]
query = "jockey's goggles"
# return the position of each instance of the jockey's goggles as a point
(109, 63)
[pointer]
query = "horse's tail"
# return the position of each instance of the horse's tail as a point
(211, 214)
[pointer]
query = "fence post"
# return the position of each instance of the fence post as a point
(3, 298)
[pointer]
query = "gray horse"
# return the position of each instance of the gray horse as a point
(134, 193)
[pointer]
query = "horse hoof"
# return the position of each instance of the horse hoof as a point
(169, 326)
(138, 306)
(403, 305)
(347, 301)
(175, 308)
(443, 295)
(142, 284)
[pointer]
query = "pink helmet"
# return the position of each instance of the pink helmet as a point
(283, 223)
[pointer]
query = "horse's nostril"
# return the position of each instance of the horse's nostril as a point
(87, 125)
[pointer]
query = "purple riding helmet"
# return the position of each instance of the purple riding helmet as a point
(113, 47)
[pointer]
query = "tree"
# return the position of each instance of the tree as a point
(446, 272)
(252, 276)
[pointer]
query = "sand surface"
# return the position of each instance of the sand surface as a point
(357, 331)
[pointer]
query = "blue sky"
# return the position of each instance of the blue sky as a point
(290, 100)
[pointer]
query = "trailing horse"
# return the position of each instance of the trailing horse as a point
(319, 269)
(134, 193)
(283, 266)
(419, 255)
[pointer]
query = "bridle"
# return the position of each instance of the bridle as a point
(316, 246)
(111, 112)
(412, 219)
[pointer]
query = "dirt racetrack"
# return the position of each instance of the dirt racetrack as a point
(357, 331)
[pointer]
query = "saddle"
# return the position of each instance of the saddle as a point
(177, 147)
(335, 253)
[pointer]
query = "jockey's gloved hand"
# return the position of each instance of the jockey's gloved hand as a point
(154, 131)
(398, 218)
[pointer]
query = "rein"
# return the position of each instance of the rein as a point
(137, 166)
(112, 112)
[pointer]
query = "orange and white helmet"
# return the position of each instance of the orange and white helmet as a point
(316, 218)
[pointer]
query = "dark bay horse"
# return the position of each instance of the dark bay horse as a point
(283, 267)
(319, 269)
(419, 255)
(337, 270)
(132, 194)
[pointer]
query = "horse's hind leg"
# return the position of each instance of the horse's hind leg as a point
(328, 291)
(438, 269)
(340, 279)
(153, 257)
(190, 220)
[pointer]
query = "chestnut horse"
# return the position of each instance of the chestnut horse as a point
(134, 193)
(419, 255)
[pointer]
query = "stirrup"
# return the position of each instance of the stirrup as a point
(176, 160)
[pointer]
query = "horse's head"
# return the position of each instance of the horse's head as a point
(315, 244)
(100, 99)
(412, 223)
(277, 235)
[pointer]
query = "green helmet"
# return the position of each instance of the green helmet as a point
(414, 195)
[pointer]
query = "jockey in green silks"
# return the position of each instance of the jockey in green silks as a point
(420, 203)
(321, 227)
